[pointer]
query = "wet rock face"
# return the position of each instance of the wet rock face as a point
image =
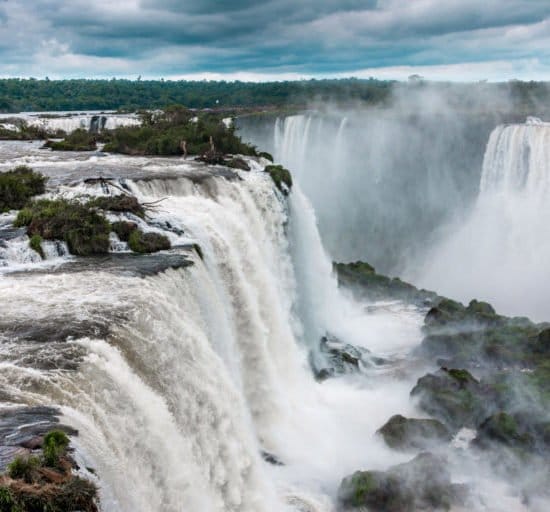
(424, 483)
(409, 434)
(340, 358)
(455, 397)
(364, 281)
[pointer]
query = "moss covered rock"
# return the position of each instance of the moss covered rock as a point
(454, 397)
(85, 231)
(502, 428)
(142, 242)
(410, 434)
(18, 186)
(35, 243)
(281, 177)
(364, 281)
(123, 229)
(46, 483)
(422, 484)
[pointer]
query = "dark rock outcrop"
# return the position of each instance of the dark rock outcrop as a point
(414, 434)
(424, 483)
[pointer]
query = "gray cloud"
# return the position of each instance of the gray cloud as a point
(310, 37)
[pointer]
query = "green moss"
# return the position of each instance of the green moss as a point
(266, 155)
(123, 229)
(18, 186)
(85, 231)
(364, 483)
(280, 177)
(55, 445)
(147, 242)
(6, 500)
(35, 243)
(462, 376)
(23, 468)
(78, 140)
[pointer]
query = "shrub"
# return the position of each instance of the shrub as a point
(120, 203)
(6, 500)
(54, 446)
(147, 242)
(162, 135)
(123, 229)
(266, 155)
(85, 231)
(79, 140)
(280, 176)
(18, 186)
(23, 468)
(35, 243)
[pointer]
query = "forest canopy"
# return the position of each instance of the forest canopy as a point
(24, 95)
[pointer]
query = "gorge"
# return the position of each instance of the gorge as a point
(237, 371)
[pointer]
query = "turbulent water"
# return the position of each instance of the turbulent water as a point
(179, 371)
(500, 250)
(178, 381)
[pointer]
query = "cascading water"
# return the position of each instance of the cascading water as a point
(500, 251)
(68, 122)
(188, 375)
(402, 175)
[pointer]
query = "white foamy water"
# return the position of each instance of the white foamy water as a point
(188, 375)
(500, 251)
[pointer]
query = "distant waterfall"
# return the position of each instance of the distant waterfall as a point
(90, 122)
(500, 251)
(380, 181)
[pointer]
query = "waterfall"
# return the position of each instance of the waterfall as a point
(381, 181)
(93, 122)
(500, 250)
(179, 381)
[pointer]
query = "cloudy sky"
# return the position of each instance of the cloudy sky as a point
(276, 39)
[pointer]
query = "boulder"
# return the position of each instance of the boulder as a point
(414, 434)
(423, 483)
(455, 397)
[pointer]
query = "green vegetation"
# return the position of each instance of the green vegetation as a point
(23, 468)
(363, 280)
(85, 231)
(119, 204)
(78, 140)
(46, 484)
(18, 186)
(410, 433)
(19, 95)
(176, 132)
(123, 229)
(35, 243)
(423, 483)
(54, 447)
(142, 242)
(280, 176)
